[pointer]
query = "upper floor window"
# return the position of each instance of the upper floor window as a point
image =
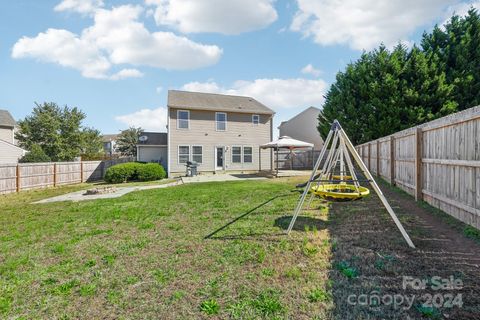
(255, 119)
(183, 119)
(221, 121)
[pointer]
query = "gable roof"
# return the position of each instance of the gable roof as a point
(298, 115)
(6, 119)
(215, 102)
(154, 139)
(12, 145)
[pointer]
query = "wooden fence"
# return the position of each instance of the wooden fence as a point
(438, 162)
(28, 176)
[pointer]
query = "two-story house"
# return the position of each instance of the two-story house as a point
(222, 133)
(303, 127)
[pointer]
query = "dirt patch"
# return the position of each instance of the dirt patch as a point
(372, 260)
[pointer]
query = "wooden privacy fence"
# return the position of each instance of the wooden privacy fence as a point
(438, 162)
(298, 160)
(28, 176)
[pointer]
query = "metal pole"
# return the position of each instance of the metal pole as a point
(298, 208)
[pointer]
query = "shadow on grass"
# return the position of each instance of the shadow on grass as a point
(209, 236)
(301, 224)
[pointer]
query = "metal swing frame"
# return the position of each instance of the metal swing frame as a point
(345, 147)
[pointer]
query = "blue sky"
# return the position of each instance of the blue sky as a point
(116, 60)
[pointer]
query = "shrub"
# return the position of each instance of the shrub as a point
(134, 171)
(36, 154)
(150, 172)
(122, 172)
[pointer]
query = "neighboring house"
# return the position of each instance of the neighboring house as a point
(109, 142)
(7, 127)
(9, 152)
(152, 147)
(220, 132)
(303, 127)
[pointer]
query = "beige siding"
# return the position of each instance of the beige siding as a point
(240, 132)
(10, 153)
(153, 154)
(303, 127)
(6, 134)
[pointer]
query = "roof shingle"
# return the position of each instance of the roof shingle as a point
(6, 119)
(215, 102)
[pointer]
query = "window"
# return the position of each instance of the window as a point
(221, 121)
(247, 154)
(197, 154)
(183, 154)
(236, 154)
(255, 119)
(183, 119)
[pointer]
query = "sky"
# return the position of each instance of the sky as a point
(116, 60)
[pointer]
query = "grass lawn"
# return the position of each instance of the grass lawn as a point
(145, 256)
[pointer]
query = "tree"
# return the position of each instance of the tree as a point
(127, 141)
(92, 144)
(35, 154)
(57, 131)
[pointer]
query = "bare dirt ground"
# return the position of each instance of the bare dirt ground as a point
(374, 267)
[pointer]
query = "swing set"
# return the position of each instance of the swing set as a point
(337, 178)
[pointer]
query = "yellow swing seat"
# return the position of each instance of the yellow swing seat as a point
(340, 191)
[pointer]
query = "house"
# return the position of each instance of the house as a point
(9, 152)
(222, 133)
(109, 142)
(7, 127)
(152, 147)
(303, 127)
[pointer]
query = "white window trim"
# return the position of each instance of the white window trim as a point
(216, 122)
(178, 152)
(178, 119)
(241, 154)
(253, 121)
(191, 152)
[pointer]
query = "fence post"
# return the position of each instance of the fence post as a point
(369, 156)
(378, 158)
(18, 177)
(392, 160)
(81, 171)
(418, 164)
(55, 174)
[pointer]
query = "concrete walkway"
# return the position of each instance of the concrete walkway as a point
(79, 195)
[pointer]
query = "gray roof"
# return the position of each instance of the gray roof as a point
(154, 139)
(109, 137)
(6, 119)
(215, 102)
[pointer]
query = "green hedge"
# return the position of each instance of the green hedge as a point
(150, 171)
(134, 171)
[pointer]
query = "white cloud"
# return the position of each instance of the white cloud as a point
(66, 49)
(80, 6)
(460, 9)
(159, 89)
(364, 24)
(147, 119)
(117, 37)
(126, 73)
(220, 16)
(310, 69)
(274, 93)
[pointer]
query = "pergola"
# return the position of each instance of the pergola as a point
(285, 142)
